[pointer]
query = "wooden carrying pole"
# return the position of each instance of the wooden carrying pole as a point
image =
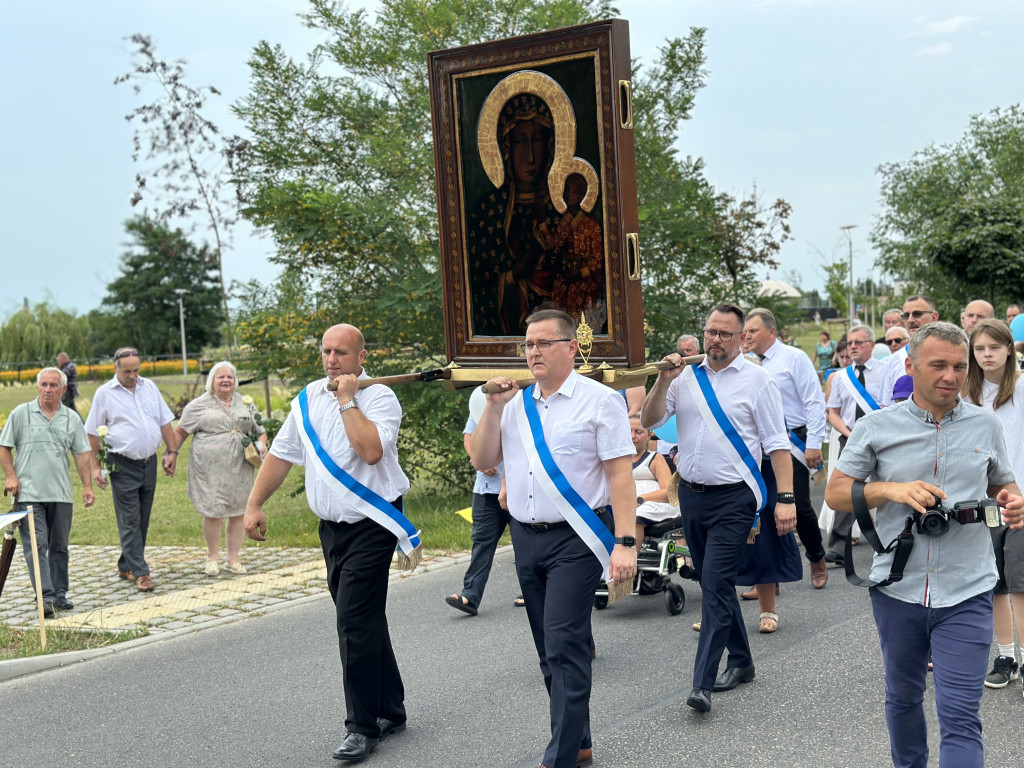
(647, 370)
(35, 571)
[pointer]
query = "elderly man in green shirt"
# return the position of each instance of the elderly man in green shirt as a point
(41, 433)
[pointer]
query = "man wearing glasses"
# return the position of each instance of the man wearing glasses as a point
(891, 319)
(895, 338)
(855, 393)
(721, 487)
(918, 311)
(136, 417)
(567, 448)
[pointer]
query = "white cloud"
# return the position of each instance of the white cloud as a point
(949, 26)
(935, 50)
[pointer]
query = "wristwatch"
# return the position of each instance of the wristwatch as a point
(353, 403)
(626, 541)
(786, 498)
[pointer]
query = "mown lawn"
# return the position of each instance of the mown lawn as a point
(290, 523)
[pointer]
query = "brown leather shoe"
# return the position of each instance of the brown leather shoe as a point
(819, 574)
(126, 575)
(585, 758)
(752, 594)
(144, 583)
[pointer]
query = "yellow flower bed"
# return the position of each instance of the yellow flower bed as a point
(90, 371)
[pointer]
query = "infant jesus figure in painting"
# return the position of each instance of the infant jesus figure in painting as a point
(579, 285)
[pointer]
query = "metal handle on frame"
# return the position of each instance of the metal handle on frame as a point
(633, 255)
(626, 105)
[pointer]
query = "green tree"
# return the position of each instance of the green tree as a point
(952, 215)
(40, 332)
(141, 306)
(337, 163)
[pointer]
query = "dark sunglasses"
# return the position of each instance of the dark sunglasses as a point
(126, 353)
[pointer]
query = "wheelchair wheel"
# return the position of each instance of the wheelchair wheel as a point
(601, 601)
(675, 599)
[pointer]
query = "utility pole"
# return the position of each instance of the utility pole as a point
(181, 319)
(846, 230)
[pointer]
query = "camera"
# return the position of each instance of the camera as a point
(934, 521)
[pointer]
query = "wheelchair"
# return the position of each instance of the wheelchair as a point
(661, 554)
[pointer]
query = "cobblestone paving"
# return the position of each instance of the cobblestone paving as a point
(184, 595)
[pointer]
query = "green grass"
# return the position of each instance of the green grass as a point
(290, 522)
(18, 644)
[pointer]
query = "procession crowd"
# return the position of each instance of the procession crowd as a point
(922, 426)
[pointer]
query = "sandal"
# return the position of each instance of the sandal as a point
(696, 627)
(519, 602)
(457, 601)
(769, 623)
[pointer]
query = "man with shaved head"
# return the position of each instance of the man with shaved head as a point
(355, 486)
(977, 310)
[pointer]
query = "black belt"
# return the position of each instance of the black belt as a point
(798, 430)
(130, 460)
(699, 488)
(542, 527)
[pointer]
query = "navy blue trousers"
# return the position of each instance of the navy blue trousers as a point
(717, 524)
(489, 522)
(958, 638)
(558, 574)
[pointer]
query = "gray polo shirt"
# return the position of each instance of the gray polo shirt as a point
(963, 454)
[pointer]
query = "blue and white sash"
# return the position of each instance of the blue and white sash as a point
(355, 494)
(724, 433)
(556, 486)
(798, 449)
(860, 394)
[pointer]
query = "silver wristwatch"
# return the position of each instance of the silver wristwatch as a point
(353, 403)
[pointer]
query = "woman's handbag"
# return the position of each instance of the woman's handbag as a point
(252, 455)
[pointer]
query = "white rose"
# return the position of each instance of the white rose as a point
(102, 431)
(247, 400)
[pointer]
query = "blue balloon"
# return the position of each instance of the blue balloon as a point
(1017, 328)
(667, 431)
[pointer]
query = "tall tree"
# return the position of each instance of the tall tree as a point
(191, 177)
(141, 306)
(41, 332)
(952, 215)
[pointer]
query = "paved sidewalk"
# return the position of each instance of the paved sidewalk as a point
(185, 598)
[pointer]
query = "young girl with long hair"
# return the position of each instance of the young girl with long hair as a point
(994, 382)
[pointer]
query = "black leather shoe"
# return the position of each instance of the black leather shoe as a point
(49, 611)
(355, 747)
(388, 727)
(699, 699)
(63, 604)
(732, 677)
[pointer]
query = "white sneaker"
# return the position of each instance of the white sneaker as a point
(212, 569)
(236, 568)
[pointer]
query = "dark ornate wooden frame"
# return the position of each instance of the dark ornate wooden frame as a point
(607, 45)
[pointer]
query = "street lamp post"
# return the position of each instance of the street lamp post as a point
(846, 230)
(181, 319)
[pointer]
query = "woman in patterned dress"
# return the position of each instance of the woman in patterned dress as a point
(219, 477)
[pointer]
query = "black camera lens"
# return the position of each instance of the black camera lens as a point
(933, 523)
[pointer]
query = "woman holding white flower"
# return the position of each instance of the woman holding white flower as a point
(221, 423)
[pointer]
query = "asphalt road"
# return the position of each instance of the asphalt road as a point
(266, 691)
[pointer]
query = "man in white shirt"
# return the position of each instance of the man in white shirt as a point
(803, 405)
(856, 392)
(977, 310)
(359, 437)
(918, 311)
(718, 482)
(567, 448)
(136, 417)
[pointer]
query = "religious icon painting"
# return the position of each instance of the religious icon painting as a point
(536, 187)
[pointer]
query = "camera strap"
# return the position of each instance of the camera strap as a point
(902, 544)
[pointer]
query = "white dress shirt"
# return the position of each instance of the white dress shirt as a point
(803, 402)
(752, 402)
(895, 367)
(484, 483)
(133, 419)
(386, 478)
(584, 424)
(841, 396)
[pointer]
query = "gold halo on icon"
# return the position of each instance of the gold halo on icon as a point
(564, 162)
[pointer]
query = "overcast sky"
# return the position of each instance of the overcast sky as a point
(804, 98)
